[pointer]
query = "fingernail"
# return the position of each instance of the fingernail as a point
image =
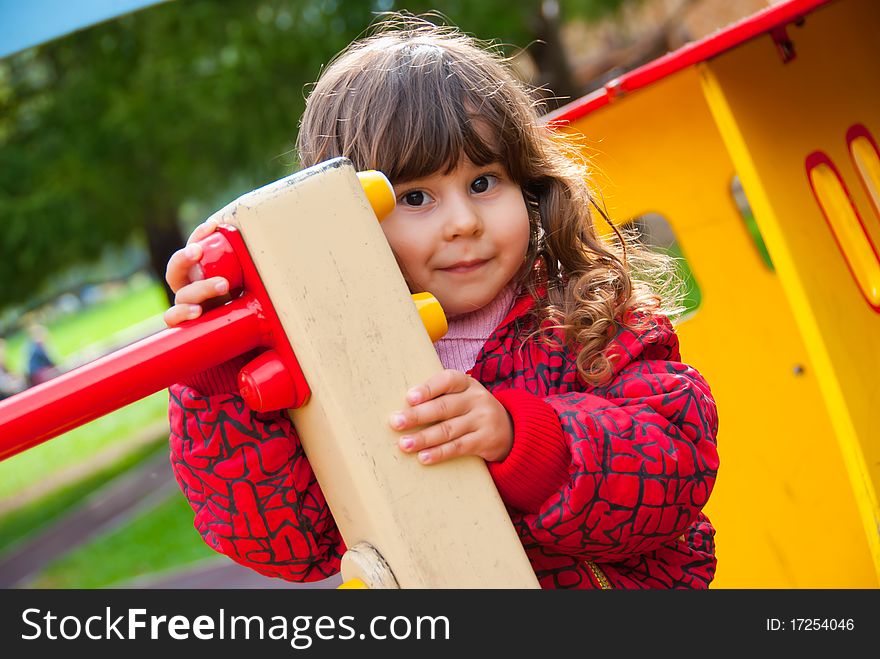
(397, 420)
(191, 252)
(221, 286)
(194, 311)
(413, 396)
(406, 442)
(424, 457)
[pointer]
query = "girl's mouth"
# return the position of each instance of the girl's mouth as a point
(464, 267)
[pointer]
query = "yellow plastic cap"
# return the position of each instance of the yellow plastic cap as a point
(380, 192)
(432, 315)
(351, 584)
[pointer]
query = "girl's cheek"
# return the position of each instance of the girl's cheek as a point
(406, 276)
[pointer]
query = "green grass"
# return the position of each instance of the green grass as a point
(158, 539)
(21, 522)
(46, 463)
(131, 305)
(80, 445)
(128, 306)
(161, 538)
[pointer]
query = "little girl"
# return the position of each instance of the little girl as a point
(561, 368)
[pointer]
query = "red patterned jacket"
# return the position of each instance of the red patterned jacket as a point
(605, 485)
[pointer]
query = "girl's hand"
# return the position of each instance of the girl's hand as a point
(461, 418)
(185, 277)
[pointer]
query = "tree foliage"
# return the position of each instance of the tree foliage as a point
(107, 133)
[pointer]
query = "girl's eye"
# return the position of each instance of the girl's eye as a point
(416, 198)
(483, 183)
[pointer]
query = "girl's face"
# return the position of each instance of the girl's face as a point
(460, 236)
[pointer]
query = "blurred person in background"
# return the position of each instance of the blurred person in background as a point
(40, 365)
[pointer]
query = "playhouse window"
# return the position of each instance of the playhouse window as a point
(655, 232)
(745, 211)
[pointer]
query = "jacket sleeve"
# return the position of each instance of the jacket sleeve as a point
(624, 470)
(252, 489)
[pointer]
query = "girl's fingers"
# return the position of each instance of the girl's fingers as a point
(182, 267)
(441, 408)
(180, 313)
(186, 278)
(201, 291)
(193, 299)
(448, 381)
(204, 230)
(445, 432)
(462, 445)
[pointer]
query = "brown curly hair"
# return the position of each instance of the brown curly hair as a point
(411, 96)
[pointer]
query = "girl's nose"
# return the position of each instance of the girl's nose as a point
(463, 220)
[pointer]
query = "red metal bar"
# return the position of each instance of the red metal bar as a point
(143, 368)
(272, 381)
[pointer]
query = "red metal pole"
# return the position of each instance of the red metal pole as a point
(118, 379)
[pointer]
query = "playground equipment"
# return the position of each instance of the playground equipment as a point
(781, 110)
(788, 101)
(312, 278)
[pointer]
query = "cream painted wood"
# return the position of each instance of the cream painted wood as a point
(347, 311)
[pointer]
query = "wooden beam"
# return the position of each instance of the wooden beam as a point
(350, 319)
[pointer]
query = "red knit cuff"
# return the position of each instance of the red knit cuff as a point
(537, 465)
(221, 379)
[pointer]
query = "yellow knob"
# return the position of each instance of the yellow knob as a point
(380, 192)
(351, 584)
(432, 315)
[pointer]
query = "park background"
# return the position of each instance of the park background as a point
(115, 141)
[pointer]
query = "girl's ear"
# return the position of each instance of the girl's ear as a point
(536, 227)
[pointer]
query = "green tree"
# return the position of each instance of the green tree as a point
(531, 24)
(107, 133)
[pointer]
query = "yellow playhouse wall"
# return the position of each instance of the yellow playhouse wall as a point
(783, 505)
(772, 116)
